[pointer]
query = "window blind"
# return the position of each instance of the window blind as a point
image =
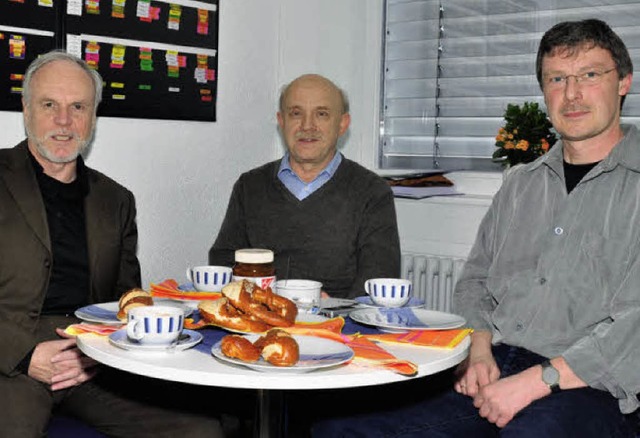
(452, 66)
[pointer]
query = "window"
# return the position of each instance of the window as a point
(452, 66)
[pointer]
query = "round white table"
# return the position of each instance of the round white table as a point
(199, 366)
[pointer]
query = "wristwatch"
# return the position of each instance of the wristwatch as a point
(550, 376)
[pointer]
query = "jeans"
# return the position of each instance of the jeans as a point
(584, 412)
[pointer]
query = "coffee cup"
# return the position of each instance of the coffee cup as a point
(209, 278)
(389, 292)
(155, 325)
(304, 293)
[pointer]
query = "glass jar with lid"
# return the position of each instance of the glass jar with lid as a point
(256, 265)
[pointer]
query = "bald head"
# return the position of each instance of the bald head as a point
(314, 80)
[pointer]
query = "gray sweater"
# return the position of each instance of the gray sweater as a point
(341, 235)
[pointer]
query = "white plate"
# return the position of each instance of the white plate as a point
(366, 301)
(120, 339)
(403, 319)
(105, 313)
(315, 353)
(334, 303)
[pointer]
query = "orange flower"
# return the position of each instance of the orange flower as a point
(509, 145)
(523, 145)
(544, 144)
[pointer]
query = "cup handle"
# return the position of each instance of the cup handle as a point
(190, 275)
(366, 286)
(134, 329)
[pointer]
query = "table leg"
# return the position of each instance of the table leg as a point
(270, 418)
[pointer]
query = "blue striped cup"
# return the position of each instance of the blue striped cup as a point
(209, 278)
(157, 325)
(389, 292)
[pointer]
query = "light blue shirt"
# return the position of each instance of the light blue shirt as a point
(301, 189)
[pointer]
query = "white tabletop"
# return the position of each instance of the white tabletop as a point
(202, 368)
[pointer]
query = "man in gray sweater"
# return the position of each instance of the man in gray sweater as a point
(325, 217)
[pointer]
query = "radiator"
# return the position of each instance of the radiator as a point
(433, 277)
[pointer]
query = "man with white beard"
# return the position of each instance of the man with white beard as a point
(69, 239)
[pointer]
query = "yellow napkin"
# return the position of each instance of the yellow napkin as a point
(98, 329)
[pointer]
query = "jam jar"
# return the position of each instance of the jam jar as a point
(255, 265)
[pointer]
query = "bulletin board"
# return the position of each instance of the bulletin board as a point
(158, 59)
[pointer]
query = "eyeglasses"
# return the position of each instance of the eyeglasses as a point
(588, 78)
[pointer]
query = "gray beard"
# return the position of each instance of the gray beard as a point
(42, 150)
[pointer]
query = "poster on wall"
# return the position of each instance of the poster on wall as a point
(150, 80)
(27, 28)
(19, 47)
(158, 59)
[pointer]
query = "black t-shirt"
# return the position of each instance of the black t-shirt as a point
(573, 173)
(64, 203)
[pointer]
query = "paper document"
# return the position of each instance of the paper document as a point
(423, 192)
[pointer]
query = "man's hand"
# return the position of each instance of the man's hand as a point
(60, 363)
(501, 400)
(480, 368)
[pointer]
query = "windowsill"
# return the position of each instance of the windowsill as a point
(476, 188)
(476, 184)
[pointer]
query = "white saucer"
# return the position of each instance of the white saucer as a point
(404, 319)
(366, 301)
(120, 339)
(105, 313)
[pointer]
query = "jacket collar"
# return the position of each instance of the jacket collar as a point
(625, 153)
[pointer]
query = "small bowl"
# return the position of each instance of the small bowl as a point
(305, 293)
(389, 292)
(209, 278)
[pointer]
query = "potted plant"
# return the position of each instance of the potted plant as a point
(526, 135)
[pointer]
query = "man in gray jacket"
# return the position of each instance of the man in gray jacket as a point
(552, 284)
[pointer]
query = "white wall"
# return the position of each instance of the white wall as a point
(182, 172)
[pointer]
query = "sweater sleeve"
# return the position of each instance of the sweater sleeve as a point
(378, 249)
(232, 234)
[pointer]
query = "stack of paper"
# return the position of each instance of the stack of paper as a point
(420, 184)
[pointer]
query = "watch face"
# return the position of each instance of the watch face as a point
(550, 375)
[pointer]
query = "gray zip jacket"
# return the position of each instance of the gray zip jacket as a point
(559, 274)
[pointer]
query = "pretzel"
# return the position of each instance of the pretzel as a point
(239, 347)
(273, 309)
(279, 348)
(284, 307)
(220, 312)
(276, 346)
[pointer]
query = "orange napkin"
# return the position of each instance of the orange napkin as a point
(97, 329)
(169, 289)
(424, 338)
(369, 354)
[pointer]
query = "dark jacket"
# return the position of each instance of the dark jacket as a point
(25, 249)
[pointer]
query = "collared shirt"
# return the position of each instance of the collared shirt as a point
(301, 189)
(559, 273)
